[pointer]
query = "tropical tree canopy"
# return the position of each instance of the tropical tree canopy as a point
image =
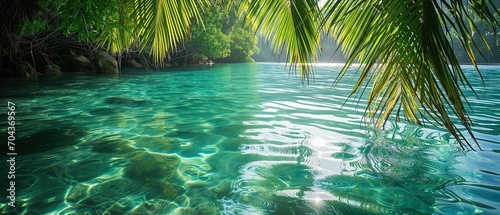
(221, 37)
(401, 48)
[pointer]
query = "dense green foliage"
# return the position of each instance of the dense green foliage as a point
(80, 18)
(123, 26)
(243, 45)
(33, 29)
(221, 37)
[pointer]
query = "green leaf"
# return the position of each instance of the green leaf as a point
(290, 25)
(405, 57)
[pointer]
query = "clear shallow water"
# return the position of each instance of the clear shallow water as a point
(238, 139)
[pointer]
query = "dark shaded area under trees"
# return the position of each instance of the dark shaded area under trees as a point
(49, 36)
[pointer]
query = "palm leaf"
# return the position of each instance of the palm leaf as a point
(406, 60)
(165, 24)
(158, 25)
(116, 40)
(117, 36)
(290, 25)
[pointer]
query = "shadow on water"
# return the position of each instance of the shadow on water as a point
(42, 166)
(48, 139)
(126, 102)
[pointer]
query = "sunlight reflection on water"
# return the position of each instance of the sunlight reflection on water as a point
(239, 139)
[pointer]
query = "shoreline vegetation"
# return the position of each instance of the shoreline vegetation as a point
(422, 44)
(35, 43)
(46, 38)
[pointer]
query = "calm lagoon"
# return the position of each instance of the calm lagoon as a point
(237, 139)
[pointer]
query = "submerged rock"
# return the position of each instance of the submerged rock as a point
(96, 200)
(164, 190)
(147, 166)
(125, 101)
(156, 144)
(154, 207)
(206, 209)
(77, 192)
(49, 139)
(118, 208)
(112, 146)
(183, 211)
(114, 189)
(104, 111)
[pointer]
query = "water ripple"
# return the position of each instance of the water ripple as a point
(240, 139)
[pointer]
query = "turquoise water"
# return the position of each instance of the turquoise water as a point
(237, 139)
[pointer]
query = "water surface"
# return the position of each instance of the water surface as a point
(238, 139)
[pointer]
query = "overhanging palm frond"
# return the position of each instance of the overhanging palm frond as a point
(157, 24)
(405, 58)
(165, 24)
(118, 37)
(290, 25)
